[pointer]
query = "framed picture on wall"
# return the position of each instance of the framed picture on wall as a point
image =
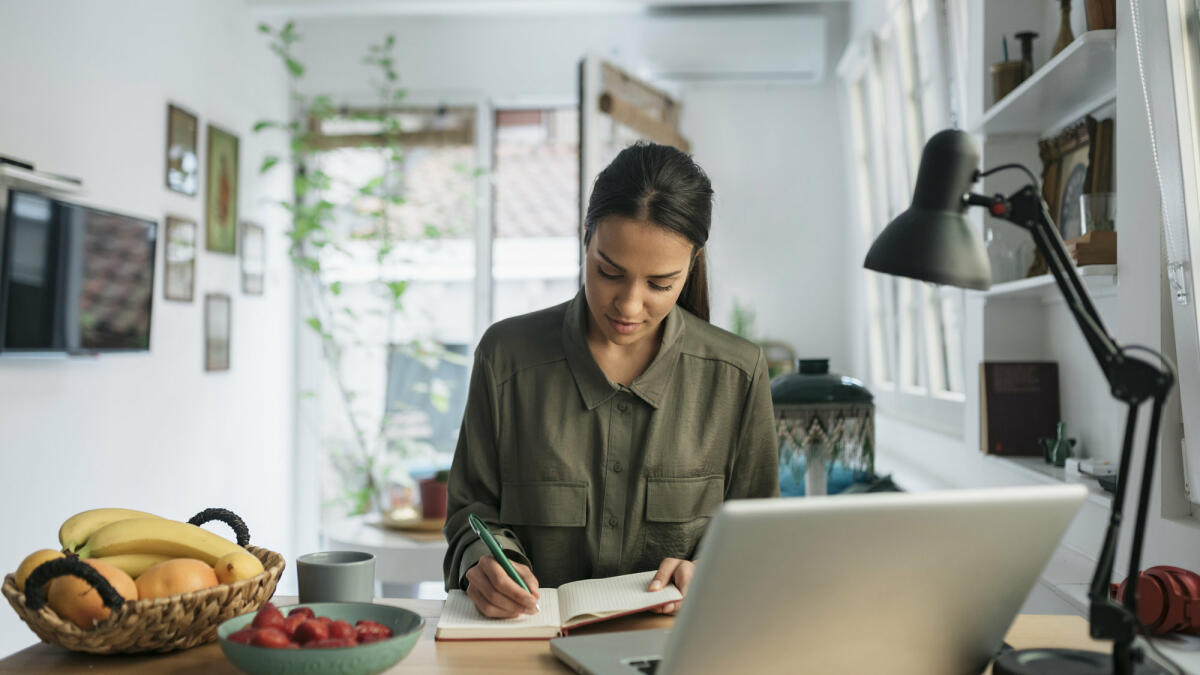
(216, 331)
(1068, 161)
(179, 275)
(183, 162)
(221, 192)
(254, 260)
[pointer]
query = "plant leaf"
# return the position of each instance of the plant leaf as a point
(309, 264)
(268, 162)
(397, 288)
(371, 185)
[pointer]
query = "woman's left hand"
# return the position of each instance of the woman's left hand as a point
(673, 570)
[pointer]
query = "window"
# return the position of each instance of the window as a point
(408, 370)
(897, 95)
(404, 223)
(535, 254)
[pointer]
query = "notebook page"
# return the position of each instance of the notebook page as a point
(614, 595)
(460, 618)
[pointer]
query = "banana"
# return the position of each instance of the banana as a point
(76, 529)
(134, 564)
(157, 535)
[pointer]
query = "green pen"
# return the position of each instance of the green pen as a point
(486, 535)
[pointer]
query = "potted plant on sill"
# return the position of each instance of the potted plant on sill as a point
(433, 495)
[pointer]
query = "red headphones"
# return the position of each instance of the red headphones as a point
(1168, 600)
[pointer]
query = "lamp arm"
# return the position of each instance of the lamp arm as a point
(1027, 210)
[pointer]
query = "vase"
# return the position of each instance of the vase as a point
(824, 417)
(1065, 36)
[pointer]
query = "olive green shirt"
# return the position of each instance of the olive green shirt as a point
(579, 477)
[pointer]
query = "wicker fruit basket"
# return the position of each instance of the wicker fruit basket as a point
(153, 625)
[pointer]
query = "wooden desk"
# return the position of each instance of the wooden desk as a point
(478, 658)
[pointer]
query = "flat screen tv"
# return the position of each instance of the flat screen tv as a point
(74, 279)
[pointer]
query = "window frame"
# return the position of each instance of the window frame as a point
(920, 400)
(1183, 79)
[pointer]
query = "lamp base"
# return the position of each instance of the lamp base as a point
(1064, 662)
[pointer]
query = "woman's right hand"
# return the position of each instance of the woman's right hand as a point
(496, 595)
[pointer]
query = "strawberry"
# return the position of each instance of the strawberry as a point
(268, 617)
(311, 630)
(274, 638)
(243, 636)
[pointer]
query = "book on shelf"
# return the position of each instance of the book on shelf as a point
(567, 607)
(1018, 404)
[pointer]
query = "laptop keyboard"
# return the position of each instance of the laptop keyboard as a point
(648, 666)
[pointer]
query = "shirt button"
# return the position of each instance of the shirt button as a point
(616, 467)
(622, 406)
(612, 522)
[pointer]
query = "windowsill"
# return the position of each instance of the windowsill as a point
(943, 414)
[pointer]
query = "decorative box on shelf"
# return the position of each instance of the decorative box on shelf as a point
(1093, 248)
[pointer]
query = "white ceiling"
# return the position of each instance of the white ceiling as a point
(332, 8)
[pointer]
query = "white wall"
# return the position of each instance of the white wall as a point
(771, 149)
(85, 89)
(780, 226)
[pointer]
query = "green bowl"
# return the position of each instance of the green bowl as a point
(360, 660)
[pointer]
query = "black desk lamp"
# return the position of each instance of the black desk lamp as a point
(932, 241)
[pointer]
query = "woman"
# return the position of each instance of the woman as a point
(600, 435)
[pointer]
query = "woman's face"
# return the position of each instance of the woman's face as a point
(634, 271)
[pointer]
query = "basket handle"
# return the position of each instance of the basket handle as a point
(35, 585)
(228, 517)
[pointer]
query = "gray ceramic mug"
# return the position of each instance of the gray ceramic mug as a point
(336, 576)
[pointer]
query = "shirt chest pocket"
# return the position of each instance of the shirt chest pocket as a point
(677, 513)
(682, 500)
(544, 503)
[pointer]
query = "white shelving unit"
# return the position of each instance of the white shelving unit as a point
(1026, 319)
(1078, 80)
(1097, 279)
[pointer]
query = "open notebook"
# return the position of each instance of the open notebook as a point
(568, 606)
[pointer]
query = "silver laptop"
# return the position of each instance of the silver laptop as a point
(897, 583)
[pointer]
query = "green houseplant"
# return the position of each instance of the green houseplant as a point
(348, 222)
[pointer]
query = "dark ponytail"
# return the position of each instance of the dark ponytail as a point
(661, 185)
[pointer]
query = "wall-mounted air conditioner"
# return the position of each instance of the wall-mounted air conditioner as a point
(766, 47)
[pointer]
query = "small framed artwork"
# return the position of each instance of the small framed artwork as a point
(254, 260)
(1068, 163)
(183, 163)
(221, 193)
(216, 331)
(179, 277)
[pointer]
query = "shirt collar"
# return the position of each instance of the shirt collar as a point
(594, 387)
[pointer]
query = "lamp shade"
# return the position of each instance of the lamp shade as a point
(932, 240)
